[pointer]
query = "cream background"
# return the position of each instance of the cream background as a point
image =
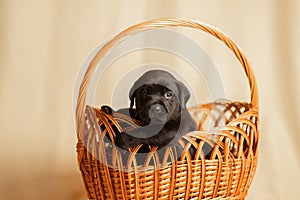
(43, 44)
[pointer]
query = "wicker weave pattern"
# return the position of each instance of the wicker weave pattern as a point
(229, 175)
(229, 127)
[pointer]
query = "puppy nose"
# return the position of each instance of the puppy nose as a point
(157, 108)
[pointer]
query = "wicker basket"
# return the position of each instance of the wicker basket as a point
(227, 174)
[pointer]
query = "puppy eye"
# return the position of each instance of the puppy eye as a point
(168, 95)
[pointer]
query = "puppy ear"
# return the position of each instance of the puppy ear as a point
(132, 95)
(184, 94)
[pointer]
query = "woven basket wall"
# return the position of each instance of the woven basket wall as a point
(227, 174)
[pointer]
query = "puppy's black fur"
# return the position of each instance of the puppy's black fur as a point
(160, 102)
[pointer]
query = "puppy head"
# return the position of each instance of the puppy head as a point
(159, 97)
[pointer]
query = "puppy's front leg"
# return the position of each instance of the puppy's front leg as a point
(125, 141)
(141, 136)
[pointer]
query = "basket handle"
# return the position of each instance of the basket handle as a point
(152, 24)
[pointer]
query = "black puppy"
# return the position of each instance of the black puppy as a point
(161, 107)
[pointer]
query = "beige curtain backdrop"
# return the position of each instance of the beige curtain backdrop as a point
(44, 43)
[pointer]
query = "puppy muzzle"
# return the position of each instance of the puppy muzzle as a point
(158, 113)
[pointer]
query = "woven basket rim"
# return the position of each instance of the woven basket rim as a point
(210, 136)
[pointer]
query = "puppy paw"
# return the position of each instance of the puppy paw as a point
(107, 110)
(122, 141)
